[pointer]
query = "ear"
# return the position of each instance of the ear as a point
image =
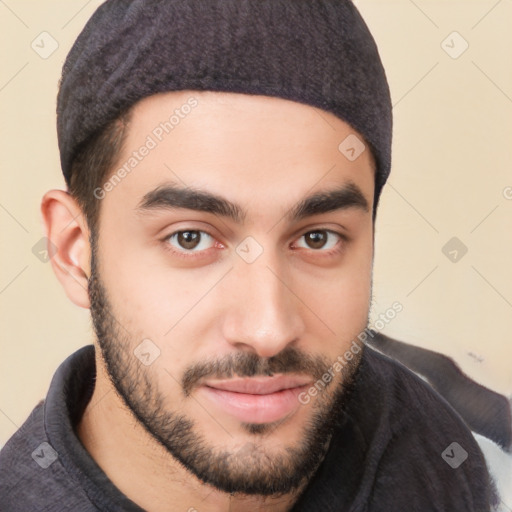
(68, 244)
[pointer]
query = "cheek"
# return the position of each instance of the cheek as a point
(343, 304)
(142, 285)
(154, 301)
(342, 299)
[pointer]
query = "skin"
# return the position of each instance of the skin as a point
(300, 296)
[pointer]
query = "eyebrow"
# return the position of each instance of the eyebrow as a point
(171, 196)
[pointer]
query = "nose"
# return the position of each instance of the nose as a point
(264, 314)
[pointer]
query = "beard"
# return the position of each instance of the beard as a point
(247, 470)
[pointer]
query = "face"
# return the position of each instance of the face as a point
(231, 271)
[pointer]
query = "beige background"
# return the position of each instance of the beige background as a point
(452, 164)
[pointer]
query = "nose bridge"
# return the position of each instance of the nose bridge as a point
(264, 313)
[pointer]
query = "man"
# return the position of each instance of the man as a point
(224, 161)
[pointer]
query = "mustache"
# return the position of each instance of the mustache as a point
(246, 364)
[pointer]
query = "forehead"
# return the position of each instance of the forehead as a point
(256, 150)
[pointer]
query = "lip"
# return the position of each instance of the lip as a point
(259, 385)
(256, 399)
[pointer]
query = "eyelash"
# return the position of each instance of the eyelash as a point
(188, 255)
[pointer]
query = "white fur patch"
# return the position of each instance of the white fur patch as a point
(499, 464)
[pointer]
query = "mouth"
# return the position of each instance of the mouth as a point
(256, 399)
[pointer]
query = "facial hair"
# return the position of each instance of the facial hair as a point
(250, 469)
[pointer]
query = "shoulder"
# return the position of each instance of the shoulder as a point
(31, 475)
(431, 457)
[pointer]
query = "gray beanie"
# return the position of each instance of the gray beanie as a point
(318, 52)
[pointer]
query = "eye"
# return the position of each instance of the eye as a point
(195, 241)
(190, 240)
(320, 239)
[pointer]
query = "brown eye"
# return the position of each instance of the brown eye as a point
(320, 239)
(316, 239)
(190, 240)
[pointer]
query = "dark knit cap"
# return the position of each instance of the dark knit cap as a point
(318, 52)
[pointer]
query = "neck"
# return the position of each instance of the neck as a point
(143, 470)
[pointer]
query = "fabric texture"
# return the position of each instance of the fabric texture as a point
(317, 52)
(386, 454)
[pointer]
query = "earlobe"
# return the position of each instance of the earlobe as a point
(68, 244)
